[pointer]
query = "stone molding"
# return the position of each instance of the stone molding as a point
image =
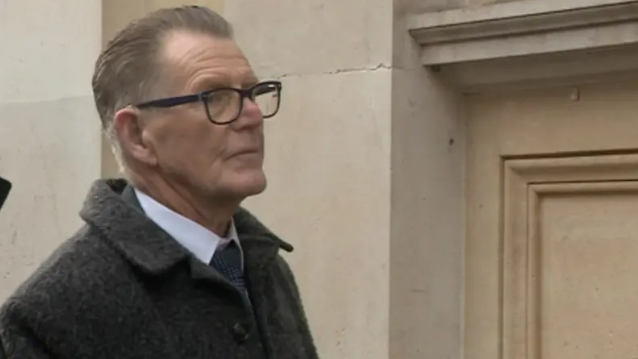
(524, 28)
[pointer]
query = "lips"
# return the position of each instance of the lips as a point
(246, 154)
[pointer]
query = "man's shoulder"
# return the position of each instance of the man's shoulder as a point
(283, 265)
(286, 273)
(85, 297)
(75, 272)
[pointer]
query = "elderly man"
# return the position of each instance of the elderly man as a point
(168, 265)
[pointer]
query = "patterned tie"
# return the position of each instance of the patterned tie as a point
(228, 263)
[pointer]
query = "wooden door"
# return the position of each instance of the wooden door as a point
(552, 224)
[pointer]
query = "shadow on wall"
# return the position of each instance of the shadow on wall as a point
(5, 188)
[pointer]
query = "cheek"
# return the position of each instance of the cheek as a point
(197, 150)
(204, 153)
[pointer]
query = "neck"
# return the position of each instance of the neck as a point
(211, 214)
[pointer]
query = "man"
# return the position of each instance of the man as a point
(168, 265)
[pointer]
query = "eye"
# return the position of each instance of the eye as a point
(219, 97)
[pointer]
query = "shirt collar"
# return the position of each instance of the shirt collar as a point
(198, 240)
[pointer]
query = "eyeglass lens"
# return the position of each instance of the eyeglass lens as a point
(224, 105)
(266, 96)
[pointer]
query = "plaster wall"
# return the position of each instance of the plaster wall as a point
(328, 158)
(49, 131)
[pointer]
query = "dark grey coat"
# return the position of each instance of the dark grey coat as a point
(122, 288)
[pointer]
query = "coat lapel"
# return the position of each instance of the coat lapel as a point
(113, 208)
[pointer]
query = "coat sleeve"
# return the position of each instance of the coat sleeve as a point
(17, 340)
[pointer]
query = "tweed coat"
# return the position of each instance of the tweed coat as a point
(122, 288)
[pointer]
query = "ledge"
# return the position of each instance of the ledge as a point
(524, 28)
(563, 69)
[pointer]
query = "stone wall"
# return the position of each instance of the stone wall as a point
(328, 158)
(49, 131)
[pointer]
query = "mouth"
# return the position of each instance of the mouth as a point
(249, 152)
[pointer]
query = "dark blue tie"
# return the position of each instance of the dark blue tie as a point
(228, 263)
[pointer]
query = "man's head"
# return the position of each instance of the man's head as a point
(182, 106)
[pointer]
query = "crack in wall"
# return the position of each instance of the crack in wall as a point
(344, 70)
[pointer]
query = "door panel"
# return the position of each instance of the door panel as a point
(551, 237)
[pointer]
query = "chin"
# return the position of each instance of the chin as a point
(257, 187)
(249, 185)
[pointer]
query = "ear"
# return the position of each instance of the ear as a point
(130, 131)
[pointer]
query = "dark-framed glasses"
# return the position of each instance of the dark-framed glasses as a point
(224, 105)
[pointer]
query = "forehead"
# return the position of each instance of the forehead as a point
(202, 60)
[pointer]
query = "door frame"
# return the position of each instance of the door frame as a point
(510, 46)
(529, 42)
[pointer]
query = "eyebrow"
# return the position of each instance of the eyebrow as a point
(211, 83)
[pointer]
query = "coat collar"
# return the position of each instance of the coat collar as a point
(113, 209)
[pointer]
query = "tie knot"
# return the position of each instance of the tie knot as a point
(228, 262)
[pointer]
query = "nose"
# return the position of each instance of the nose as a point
(250, 114)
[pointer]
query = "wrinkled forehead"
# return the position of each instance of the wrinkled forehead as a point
(200, 61)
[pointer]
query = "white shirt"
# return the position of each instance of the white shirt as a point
(198, 240)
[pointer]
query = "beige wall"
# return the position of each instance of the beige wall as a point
(49, 133)
(328, 158)
(426, 239)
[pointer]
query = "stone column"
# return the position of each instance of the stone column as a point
(49, 129)
(328, 158)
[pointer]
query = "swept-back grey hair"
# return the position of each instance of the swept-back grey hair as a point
(130, 70)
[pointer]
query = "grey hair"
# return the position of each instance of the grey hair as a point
(129, 71)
